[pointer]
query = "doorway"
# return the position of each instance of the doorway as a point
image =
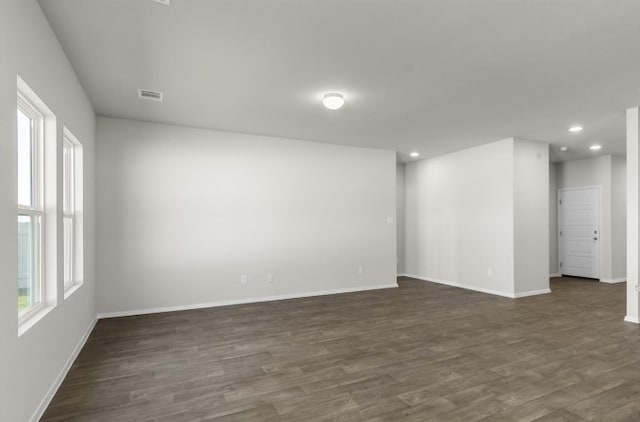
(579, 231)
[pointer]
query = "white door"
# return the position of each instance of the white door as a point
(579, 232)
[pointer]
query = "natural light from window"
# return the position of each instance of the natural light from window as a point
(29, 209)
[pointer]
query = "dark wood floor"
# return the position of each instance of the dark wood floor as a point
(423, 352)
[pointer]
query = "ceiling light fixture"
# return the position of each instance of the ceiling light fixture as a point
(415, 154)
(575, 129)
(333, 100)
(564, 149)
(595, 147)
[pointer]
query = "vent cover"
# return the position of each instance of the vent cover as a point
(163, 2)
(146, 94)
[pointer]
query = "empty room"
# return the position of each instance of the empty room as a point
(299, 210)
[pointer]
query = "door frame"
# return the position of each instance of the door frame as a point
(561, 191)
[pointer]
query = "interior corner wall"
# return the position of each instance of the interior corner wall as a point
(30, 365)
(184, 213)
(459, 212)
(553, 219)
(607, 172)
(531, 217)
(400, 216)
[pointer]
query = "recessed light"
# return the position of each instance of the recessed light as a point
(575, 129)
(415, 154)
(564, 149)
(333, 100)
(595, 147)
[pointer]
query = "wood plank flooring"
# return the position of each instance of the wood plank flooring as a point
(423, 352)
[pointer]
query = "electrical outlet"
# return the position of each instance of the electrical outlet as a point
(270, 277)
(390, 220)
(244, 279)
(360, 270)
(490, 272)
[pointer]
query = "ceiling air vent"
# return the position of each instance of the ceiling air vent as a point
(146, 94)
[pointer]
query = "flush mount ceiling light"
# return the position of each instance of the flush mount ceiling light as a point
(564, 149)
(333, 100)
(575, 129)
(415, 154)
(595, 147)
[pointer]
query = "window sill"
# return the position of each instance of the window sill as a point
(71, 289)
(34, 319)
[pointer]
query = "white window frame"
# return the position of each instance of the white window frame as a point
(72, 185)
(36, 210)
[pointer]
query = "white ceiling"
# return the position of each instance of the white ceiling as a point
(433, 76)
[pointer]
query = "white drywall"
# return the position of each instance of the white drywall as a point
(31, 365)
(459, 218)
(478, 218)
(619, 217)
(553, 219)
(400, 216)
(633, 176)
(608, 173)
(183, 213)
(531, 216)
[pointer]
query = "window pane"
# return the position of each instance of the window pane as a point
(28, 259)
(67, 177)
(68, 250)
(25, 159)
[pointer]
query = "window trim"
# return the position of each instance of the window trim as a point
(75, 173)
(37, 151)
(36, 209)
(47, 204)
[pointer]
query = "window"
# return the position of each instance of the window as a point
(30, 129)
(71, 204)
(67, 209)
(37, 205)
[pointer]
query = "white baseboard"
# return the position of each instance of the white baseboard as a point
(555, 275)
(531, 293)
(613, 280)
(633, 319)
(403, 275)
(479, 289)
(44, 403)
(460, 285)
(242, 301)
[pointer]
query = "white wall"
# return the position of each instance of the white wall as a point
(30, 364)
(553, 219)
(633, 135)
(619, 217)
(473, 218)
(183, 213)
(459, 218)
(608, 173)
(531, 216)
(400, 216)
